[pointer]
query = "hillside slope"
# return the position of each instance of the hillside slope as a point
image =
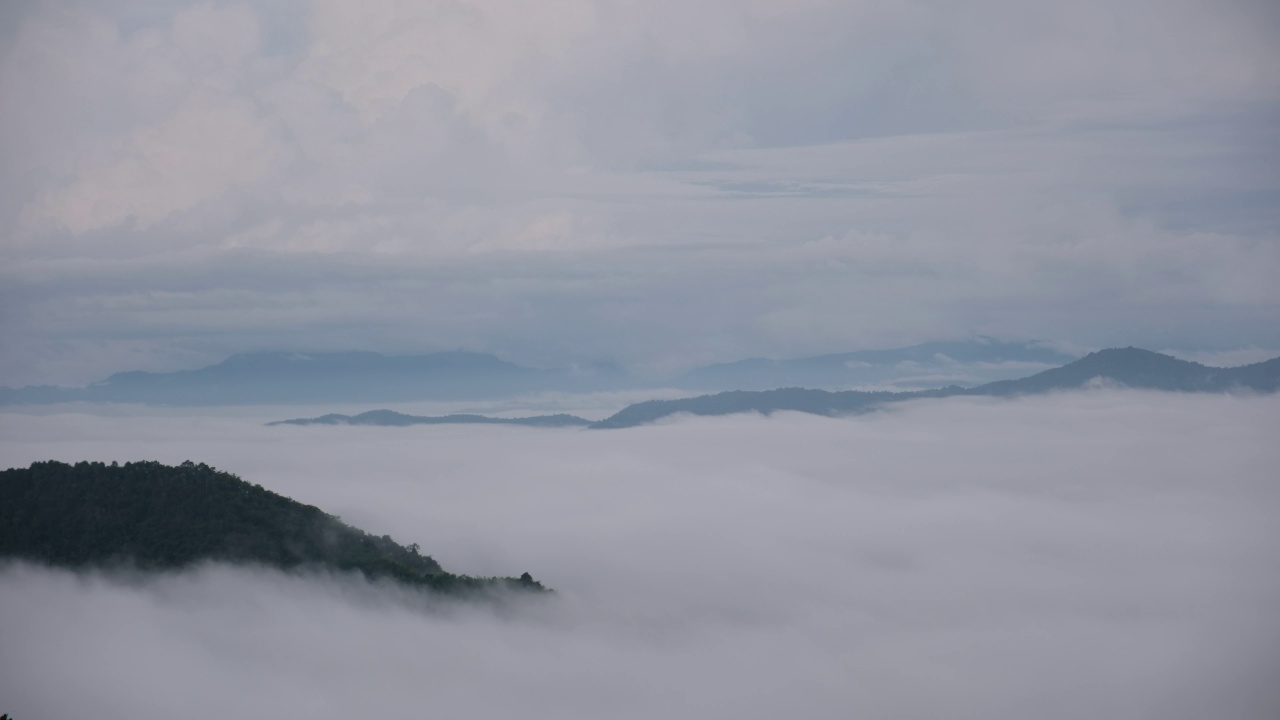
(158, 517)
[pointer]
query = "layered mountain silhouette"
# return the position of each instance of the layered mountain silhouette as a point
(967, 362)
(1128, 367)
(368, 377)
(156, 517)
(281, 378)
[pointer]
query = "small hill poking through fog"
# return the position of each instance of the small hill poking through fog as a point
(158, 517)
(1142, 369)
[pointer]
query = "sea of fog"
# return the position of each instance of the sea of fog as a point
(1107, 554)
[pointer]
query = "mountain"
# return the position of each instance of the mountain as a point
(390, 417)
(1130, 367)
(367, 377)
(963, 362)
(158, 517)
(278, 378)
(1137, 368)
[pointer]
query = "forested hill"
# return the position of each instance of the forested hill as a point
(159, 517)
(1128, 367)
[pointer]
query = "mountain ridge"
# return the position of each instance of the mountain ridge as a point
(863, 367)
(286, 377)
(1131, 367)
(264, 378)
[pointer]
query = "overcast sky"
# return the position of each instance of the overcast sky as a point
(658, 184)
(1098, 554)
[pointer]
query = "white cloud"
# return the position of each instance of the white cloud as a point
(1099, 554)
(180, 127)
(210, 145)
(217, 37)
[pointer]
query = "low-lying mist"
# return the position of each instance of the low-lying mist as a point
(1103, 554)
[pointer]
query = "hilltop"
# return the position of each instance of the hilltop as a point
(157, 517)
(1142, 369)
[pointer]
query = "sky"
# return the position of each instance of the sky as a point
(658, 184)
(1104, 554)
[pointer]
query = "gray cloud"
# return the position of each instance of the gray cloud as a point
(793, 177)
(1101, 554)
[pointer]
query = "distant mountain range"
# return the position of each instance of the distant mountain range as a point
(966, 363)
(157, 517)
(1128, 367)
(368, 377)
(279, 378)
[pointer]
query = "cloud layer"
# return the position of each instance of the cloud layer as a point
(659, 184)
(1103, 554)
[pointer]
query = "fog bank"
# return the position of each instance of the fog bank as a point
(1101, 554)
